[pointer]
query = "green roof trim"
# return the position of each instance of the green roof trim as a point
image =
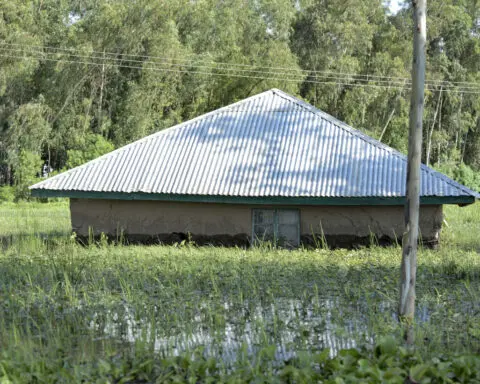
(264, 200)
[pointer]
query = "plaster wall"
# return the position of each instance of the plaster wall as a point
(152, 218)
(365, 220)
(155, 217)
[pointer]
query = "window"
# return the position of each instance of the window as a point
(279, 226)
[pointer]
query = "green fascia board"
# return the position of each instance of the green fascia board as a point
(264, 200)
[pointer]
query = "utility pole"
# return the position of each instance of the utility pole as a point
(406, 309)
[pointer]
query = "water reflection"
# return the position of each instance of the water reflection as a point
(288, 324)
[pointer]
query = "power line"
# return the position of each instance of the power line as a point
(179, 70)
(244, 71)
(196, 63)
(259, 74)
(247, 68)
(236, 75)
(164, 58)
(226, 74)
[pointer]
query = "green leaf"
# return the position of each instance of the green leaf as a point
(418, 372)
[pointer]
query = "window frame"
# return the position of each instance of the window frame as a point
(275, 223)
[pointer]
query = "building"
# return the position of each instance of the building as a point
(268, 167)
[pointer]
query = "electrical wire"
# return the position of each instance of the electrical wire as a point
(244, 71)
(262, 73)
(233, 64)
(195, 63)
(236, 75)
(250, 68)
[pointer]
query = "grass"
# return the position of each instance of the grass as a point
(462, 227)
(25, 219)
(68, 308)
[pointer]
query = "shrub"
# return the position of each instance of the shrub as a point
(29, 164)
(463, 174)
(7, 194)
(93, 147)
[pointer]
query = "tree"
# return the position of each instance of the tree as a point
(28, 131)
(124, 69)
(29, 165)
(93, 146)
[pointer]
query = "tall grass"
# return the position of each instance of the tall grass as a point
(461, 227)
(25, 219)
(83, 304)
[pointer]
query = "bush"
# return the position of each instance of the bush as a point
(29, 164)
(94, 146)
(7, 194)
(467, 176)
(463, 174)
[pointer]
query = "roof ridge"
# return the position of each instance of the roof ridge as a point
(371, 140)
(148, 138)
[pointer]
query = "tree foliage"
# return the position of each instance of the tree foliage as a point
(26, 172)
(69, 100)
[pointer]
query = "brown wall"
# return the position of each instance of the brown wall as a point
(362, 221)
(156, 217)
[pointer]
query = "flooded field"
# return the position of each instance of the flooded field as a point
(60, 300)
(289, 325)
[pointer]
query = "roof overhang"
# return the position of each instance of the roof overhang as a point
(264, 200)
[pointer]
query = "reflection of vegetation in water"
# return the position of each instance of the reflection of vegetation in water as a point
(62, 301)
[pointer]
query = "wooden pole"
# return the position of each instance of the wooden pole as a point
(406, 307)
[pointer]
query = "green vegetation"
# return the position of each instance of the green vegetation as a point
(79, 78)
(104, 312)
(461, 228)
(31, 219)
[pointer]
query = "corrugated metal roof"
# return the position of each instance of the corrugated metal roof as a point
(271, 144)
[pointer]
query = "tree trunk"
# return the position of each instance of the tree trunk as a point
(100, 102)
(406, 309)
(429, 142)
(459, 124)
(392, 113)
(386, 125)
(464, 147)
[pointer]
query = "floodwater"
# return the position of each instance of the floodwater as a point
(290, 325)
